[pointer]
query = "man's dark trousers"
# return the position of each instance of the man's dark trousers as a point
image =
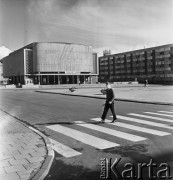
(106, 108)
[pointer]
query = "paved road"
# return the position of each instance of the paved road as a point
(81, 141)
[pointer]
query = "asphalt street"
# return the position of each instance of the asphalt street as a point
(72, 123)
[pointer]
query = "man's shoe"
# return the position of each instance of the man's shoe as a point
(102, 121)
(114, 120)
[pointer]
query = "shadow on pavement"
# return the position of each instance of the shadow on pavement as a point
(138, 158)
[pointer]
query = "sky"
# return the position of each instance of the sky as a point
(118, 25)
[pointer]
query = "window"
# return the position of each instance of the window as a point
(128, 65)
(141, 59)
(142, 52)
(103, 63)
(111, 62)
(168, 69)
(149, 69)
(159, 50)
(128, 55)
(167, 55)
(135, 53)
(149, 51)
(149, 57)
(110, 67)
(121, 56)
(167, 49)
(116, 57)
(104, 59)
(167, 61)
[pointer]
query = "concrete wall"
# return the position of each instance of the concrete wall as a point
(13, 65)
(70, 58)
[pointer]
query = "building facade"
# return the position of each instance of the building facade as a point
(51, 63)
(154, 64)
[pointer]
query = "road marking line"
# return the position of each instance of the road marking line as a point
(125, 118)
(151, 117)
(63, 149)
(83, 137)
(137, 128)
(166, 112)
(168, 115)
(112, 132)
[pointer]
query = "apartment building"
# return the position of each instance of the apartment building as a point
(154, 64)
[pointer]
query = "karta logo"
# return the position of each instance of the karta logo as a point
(109, 170)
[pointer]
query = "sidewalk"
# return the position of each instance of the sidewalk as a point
(23, 153)
(152, 94)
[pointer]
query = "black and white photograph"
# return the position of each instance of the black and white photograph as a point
(86, 89)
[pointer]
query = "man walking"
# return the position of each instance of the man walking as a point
(109, 103)
(146, 83)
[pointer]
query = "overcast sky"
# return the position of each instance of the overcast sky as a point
(120, 25)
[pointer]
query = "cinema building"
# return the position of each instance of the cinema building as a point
(154, 64)
(51, 63)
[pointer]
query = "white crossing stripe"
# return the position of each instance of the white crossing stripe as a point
(151, 117)
(168, 115)
(63, 149)
(125, 118)
(136, 128)
(166, 112)
(83, 137)
(112, 132)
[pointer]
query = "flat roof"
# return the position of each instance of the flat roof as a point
(27, 46)
(137, 50)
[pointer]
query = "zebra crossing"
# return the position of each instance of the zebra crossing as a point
(166, 112)
(146, 124)
(136, 128)
(112, 132)
(168, 115)
(140, 121)
(151, 117)
(63, 149)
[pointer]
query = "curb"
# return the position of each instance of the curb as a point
(117, 99)
(42, 172)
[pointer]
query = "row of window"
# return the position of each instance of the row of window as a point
(159, 58)
(162, 56)
(139, 76)
(142, 65)
(158, 69)
(163, 49)
(102, 66)
(163, 69)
